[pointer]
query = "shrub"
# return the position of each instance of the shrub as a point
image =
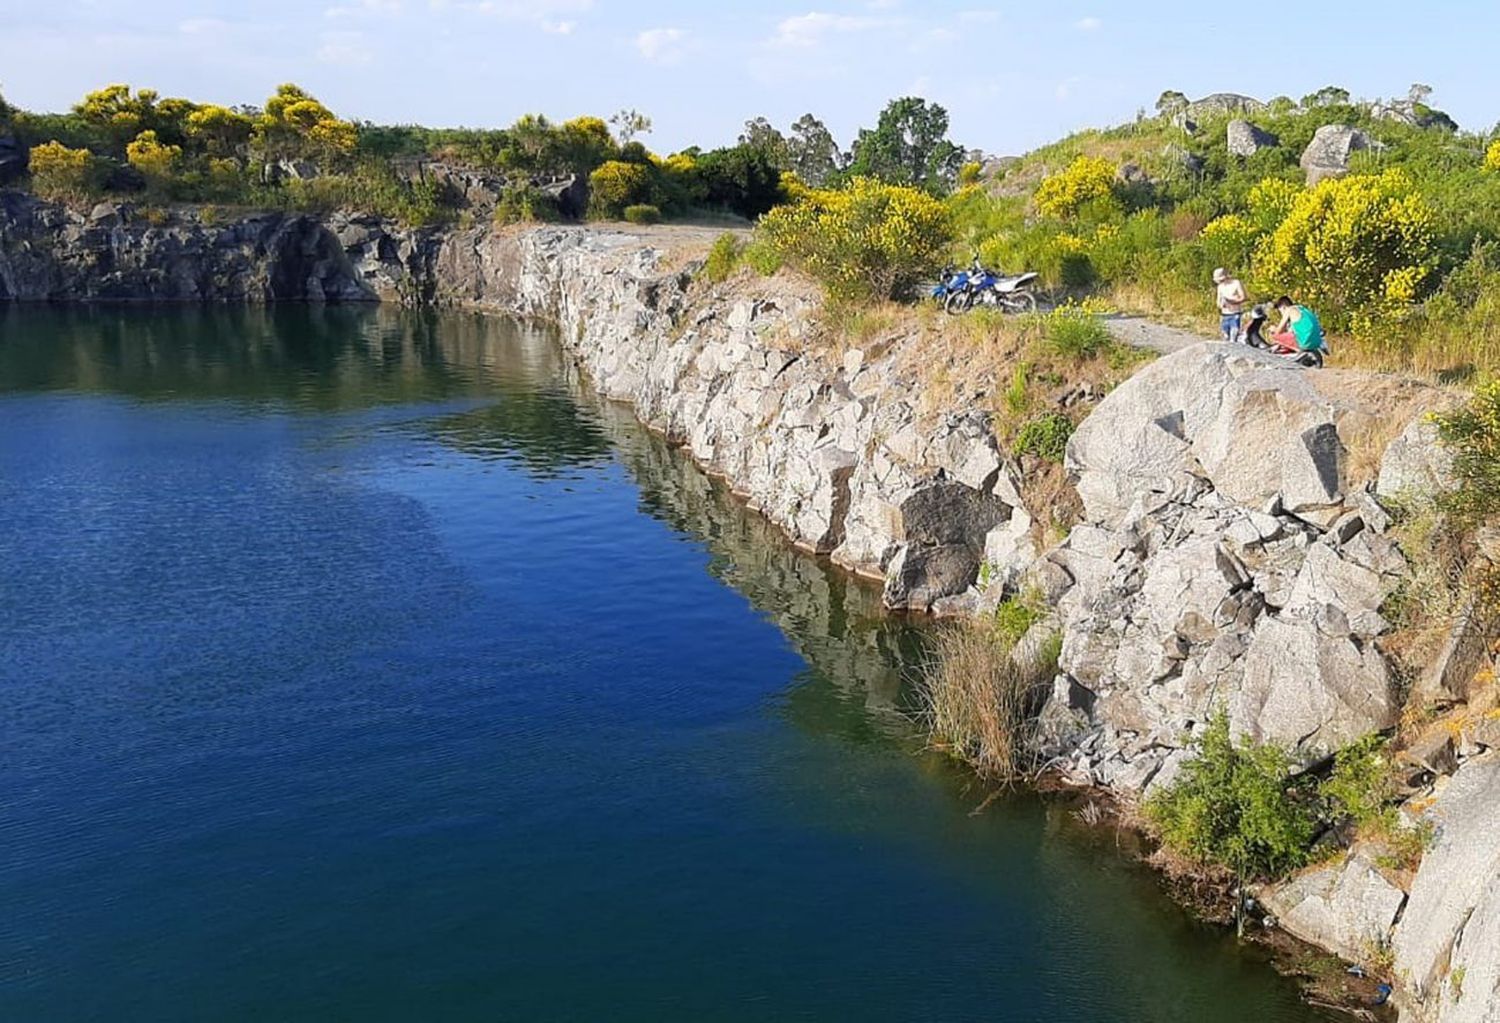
(60, 172)
(616, 185)
(1046, 436)
(1076, 333)
(1363, 240)
(867, 240)
(1232, 807)
(969, 174)
(156, 161)
(643, 213)
(1472, 433)
(1359, 786)
(728, 249)
(980, 699)
(1492, 156)
(762, 258)
(1087, 179)
(525, 204)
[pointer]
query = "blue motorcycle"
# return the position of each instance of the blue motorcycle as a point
(1009, 293)
(953, 281)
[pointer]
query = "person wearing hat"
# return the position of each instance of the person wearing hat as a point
(1231, 298)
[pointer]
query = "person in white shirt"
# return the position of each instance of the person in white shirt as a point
(1231, 298)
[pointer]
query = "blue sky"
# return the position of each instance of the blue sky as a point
(1013, 75)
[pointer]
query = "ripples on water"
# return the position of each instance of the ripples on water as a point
(364, 666)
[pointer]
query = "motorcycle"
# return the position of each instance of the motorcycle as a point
(1251, 335)
(951, 281)
(1011, 293)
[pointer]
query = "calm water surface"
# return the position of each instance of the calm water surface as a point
(365, 667)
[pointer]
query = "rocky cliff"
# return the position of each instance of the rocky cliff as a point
(1233, 550)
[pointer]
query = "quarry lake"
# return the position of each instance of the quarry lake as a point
(361, 665)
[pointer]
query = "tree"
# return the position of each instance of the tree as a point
(1328, 96)
(154, 160)
(909, 146)
(760, 134)
(7, 113)
(629, 123)
(1171, 103)
(119, 113)
(812, 153)
(294, 123)
(585, 143)
(741, 179)
(219, 130)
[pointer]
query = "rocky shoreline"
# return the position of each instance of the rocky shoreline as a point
(1229, 555)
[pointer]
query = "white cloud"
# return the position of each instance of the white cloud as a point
(345, 49)
(806, 31)
(661, 45)
(559, 28)
(1089, 24)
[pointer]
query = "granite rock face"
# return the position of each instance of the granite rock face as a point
(1327, 155)
(832, 450)
(1447, 944)
(1347, 907)
(1225, 562)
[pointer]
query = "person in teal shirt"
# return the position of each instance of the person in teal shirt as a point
(1299, 329)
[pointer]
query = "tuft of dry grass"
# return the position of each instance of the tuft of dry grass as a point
(981, 701)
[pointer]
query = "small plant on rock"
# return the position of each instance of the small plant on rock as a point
(1233, 806)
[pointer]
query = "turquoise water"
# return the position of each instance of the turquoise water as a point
(361, 666)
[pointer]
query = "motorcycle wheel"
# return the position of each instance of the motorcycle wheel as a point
(1020, 302)
(956, 303)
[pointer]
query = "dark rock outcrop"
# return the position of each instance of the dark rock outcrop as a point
(13, 159)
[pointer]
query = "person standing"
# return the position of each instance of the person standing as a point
(1231, 298)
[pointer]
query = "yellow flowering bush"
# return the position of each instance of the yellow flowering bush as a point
(1270, 201)
(867, 240)
(1087, 179)
(59, 172)
(1492, 156)
(1230, 239)
(615, 185)
(1352, 242)
(156, 161)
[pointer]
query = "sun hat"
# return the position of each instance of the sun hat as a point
(1221, 275)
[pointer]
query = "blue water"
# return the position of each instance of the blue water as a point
(361, 666)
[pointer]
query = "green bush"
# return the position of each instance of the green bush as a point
(725, 255)
(867, 240)
(520, 204)
(1359, 787)
(643, 213)
(762, 258)
(1046, 436)
(1076, 333)
(1472, 433)
(1232, 806)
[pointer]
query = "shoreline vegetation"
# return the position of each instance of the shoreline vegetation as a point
(1384, 216)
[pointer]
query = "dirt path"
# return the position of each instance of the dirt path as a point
(1157, 337)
